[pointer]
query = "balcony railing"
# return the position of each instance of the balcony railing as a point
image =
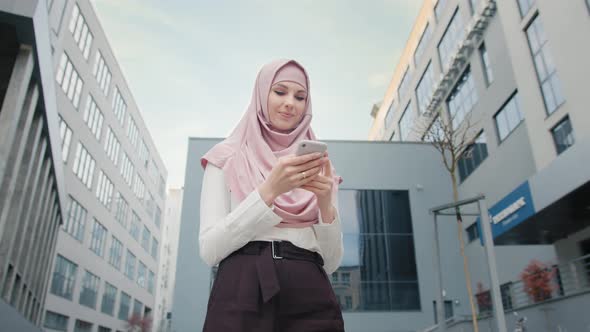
(565, 279)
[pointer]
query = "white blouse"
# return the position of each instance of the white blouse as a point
(227, 225)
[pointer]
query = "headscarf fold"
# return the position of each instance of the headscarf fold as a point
(252, 149)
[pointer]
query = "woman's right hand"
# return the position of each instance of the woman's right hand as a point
(288, 174)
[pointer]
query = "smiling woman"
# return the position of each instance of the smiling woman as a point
(269, 218)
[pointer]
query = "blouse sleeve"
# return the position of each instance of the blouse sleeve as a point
(222, 232)
(329, 237)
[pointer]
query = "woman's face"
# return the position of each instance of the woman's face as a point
(286, 105)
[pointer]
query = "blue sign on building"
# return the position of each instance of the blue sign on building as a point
(510, 211)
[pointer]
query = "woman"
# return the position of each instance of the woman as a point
(269, 218)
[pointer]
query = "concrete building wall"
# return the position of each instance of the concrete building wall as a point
(32, 192)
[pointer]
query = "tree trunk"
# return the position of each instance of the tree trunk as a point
(465, 260)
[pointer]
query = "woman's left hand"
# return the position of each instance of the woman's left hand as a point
(322, 186)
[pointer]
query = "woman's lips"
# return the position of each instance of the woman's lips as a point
(286, 115)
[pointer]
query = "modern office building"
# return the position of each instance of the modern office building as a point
(386, 279)
(106, 265)
(168, 255)
(32, 189)
(513, 72)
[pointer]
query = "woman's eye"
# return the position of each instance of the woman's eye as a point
(280, 93)
(300, 98)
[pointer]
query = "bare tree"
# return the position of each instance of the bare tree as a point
(454, 136)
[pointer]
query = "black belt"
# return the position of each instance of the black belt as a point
(270, 251)
(281, 250)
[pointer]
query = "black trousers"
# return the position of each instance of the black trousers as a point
(256, 292)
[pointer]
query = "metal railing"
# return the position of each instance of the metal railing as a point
(551, 283)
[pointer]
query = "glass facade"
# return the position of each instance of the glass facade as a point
(425, 89)
(378, 271)
(406, 122)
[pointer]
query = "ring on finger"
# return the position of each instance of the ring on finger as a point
(303, 175)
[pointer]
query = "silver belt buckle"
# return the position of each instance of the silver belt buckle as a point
(272, 246)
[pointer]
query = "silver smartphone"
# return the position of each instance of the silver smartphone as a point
(306, 146)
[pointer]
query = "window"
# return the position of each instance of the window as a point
(389, 116)
(76, 220)
(162, 187)
(141, 275)
(124, 306)
(93, 117)
(57, 11)
(563, 135)
(145, 239)
(108, 299)
(104, 329)
(65, 133)
(448, 307)
(132, 131)
(158, 217)
(462, 98)
(485, 59)
(348, 302)
(102, 73)
(81, 32)
(119, 106)
(99, 236)
(64, 277)
(451, 40)
(121, 210)
(112, 146)
(130, 265)
(84, 165)
(137, 306)
(89, 290)
(104, 190)
(545, 67)
(151, 280)
(424, 39)
(115, 253)
(56, 321)
(473, 156)
(134, 228)
(524, 6)
(154, 248)
(402, 89)
(406, 122)
(506, 293)
(82, 326)
(154, 172)
(439, 7)
(425, 89)
(150, 204)
(472, 232)
(127, 169)
(144, 153)
(509, 117)
(68, 78)
(346, 277)
(139, 187)
(381, 269)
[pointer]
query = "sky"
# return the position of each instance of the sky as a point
(191, 64)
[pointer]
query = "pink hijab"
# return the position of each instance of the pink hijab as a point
(252, 149)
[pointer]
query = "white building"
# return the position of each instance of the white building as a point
(106, 265)
(168, 255)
